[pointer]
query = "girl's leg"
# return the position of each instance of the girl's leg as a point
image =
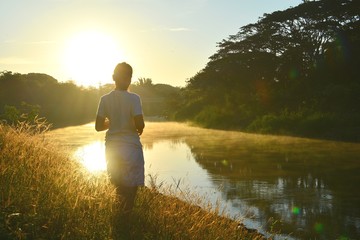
(128, 195)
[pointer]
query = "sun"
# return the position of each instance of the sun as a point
(90, 57)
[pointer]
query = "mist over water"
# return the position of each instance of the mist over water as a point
(305, 188)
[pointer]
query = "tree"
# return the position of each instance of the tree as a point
(144, 82)
(295, 60)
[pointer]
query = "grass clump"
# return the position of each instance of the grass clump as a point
(167, 217)
(45, 194)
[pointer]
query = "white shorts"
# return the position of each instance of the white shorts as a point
(125, 164)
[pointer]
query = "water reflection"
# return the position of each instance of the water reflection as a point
(310, 186)
(92, 156)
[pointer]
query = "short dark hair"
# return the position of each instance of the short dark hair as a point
(122, 75)
(123, 69)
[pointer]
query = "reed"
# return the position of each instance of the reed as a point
(45, 194)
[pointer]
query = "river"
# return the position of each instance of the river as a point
(308, 189)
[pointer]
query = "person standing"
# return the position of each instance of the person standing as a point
(120, 113)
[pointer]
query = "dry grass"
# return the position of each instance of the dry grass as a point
(167, 217)
(44, 194)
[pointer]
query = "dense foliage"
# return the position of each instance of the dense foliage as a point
(60, 103)
(64, 104)
(294, 72)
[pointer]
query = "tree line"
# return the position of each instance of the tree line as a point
(27, 96)
(292, 72)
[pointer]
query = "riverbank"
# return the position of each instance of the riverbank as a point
(47, 195)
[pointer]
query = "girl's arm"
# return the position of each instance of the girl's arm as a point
(101, 123)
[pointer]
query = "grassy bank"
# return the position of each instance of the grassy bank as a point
(47, 195)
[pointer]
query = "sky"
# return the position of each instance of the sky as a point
(167, 41)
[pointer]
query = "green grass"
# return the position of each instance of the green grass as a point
(45, 194)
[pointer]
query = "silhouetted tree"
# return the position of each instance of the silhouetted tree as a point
(298, 63)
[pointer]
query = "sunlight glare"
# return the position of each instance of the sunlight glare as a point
(90, 57)
(92, 156)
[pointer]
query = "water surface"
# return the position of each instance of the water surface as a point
(308, 189)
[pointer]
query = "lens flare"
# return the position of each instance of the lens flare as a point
(225, 162)
(295, 210)
(319, 227)
(342, 47)
(294, 73)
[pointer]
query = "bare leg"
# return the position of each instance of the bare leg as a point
(128, 195)
(122, 221)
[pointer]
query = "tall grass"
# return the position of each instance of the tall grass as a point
(45, 194)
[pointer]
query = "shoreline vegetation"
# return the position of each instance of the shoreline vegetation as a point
(45, 194)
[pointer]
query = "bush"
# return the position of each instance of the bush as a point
(283, 123)
(210, 116)
(308, 123)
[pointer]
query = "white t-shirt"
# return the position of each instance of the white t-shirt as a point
(120, 107)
